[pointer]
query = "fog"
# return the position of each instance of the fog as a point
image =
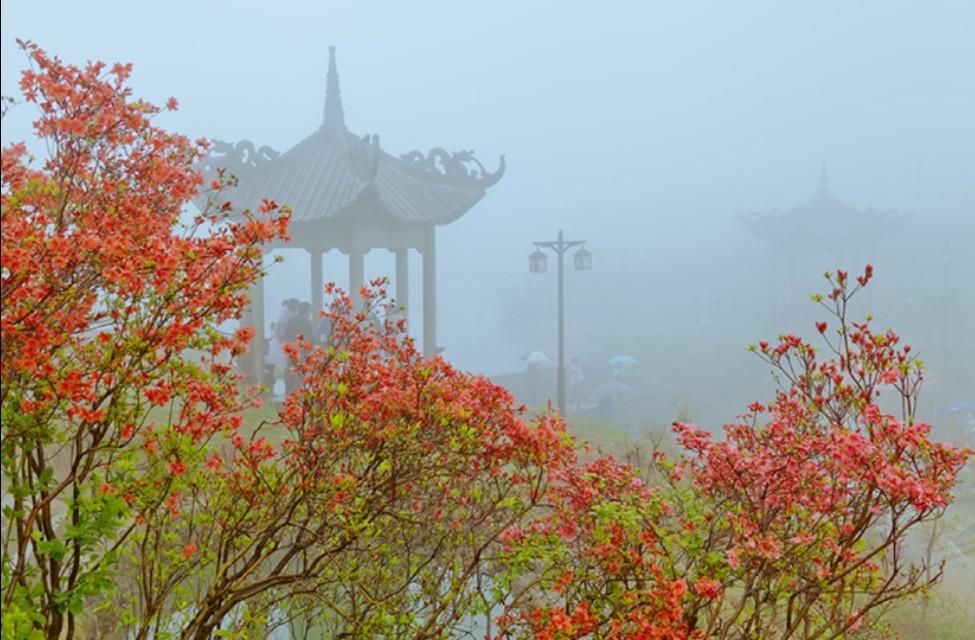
(647, 129)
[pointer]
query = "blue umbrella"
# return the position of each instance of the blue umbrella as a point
(622, 361)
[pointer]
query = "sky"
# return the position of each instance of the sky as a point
(644, 128)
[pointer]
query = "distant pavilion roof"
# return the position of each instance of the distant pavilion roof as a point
(823, 221)
(336, 175)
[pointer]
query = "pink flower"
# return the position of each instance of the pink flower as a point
(888, 377)
(733, 560)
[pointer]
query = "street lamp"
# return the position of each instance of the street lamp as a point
(582, 259)
(538, 263)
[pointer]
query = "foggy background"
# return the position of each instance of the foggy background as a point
(645, 128)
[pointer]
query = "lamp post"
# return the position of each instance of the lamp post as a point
(943, 334)
(538, 263)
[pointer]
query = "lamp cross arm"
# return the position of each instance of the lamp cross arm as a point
(560, 246)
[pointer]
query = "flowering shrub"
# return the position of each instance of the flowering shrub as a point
(373, 506)
(104, 291)
(819, 490)
(792, 526)
(600, 567)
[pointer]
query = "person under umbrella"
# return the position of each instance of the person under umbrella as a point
(299, 326)
(575, 377)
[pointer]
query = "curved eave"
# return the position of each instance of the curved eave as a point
(811, 225)
(415, 199)
(336, 174)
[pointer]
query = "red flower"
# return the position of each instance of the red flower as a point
(707, 588)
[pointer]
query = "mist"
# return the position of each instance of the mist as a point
(669, 139)
(651, 130)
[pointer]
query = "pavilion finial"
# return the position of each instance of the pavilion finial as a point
(333, 118)
(823, 191)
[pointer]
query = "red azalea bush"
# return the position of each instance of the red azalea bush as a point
(104, 293)
(792, 526)
(599, 565)
(373, 506)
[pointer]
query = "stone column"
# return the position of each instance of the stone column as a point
(430, 347)
(317, 283)
(403, 279)
(257, 350)
(356, 276)
(803, 277)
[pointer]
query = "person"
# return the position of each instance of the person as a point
(575, 378)
(268, 375)
(298, 326)
(289, 308)
(607, 408)
(531, 384)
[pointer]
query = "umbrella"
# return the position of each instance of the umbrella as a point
(622, 361)
(536, 357)
(960, 407)
(612, 388)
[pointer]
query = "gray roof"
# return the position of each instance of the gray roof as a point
(335, 174)
(823, 221)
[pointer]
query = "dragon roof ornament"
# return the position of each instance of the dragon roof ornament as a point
(241, 157)
(460, 168)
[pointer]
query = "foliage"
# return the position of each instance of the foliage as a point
(792, 526)
(377, 514)
(104, 291)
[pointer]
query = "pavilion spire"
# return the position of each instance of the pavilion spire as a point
(823, 190)
(333, 117)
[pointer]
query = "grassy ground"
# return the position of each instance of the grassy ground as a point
(942, 616)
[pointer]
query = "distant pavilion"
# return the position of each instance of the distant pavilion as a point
(820, 227)
(348, 194)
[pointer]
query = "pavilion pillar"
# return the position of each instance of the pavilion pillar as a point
(430, 293)
(357, 269)
(792, 286)
(403, 279)
(803, 276)
(317, 282)
(858, 268)
(243, 362)
(255, 318)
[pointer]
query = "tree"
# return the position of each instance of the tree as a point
(373, 506)
(114, 375)
(792, 526)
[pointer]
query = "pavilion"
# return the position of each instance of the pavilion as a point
(822, 228)
(346, 193)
